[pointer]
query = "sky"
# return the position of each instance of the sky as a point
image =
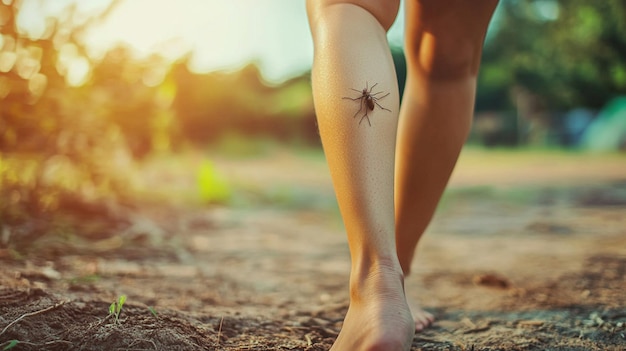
(222, 35)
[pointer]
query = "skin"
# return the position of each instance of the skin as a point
(388, 177)
(443, 46)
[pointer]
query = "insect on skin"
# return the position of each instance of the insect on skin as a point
(369, 99)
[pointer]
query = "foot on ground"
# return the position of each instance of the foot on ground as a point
(379, 317)
(422, 318)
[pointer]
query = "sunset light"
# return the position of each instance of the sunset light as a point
(174, 175)
(219, 34)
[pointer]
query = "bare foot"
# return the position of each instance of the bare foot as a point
(379, 317)
(422, 318)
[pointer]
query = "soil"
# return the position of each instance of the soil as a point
(524, 255)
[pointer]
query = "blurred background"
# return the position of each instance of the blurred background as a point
(108, 104)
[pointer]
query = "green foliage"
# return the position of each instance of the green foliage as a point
(115, 309)
(70, 147)
(59, 152)
(568, 53)
(153, 311)
(10, 345)
(212, 186)
(210, 106)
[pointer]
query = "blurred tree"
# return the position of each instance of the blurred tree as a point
(56, 151)
(569, 53)
(546, 56)
(134, 97)
(211, 106)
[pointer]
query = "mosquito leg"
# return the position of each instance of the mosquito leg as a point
(360, 108)
(386, 109)
(372, 88)
(365, 116)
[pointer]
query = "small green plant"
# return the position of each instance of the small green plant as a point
(213, 187)
(11, 345)
(116, 308)
(153, 311)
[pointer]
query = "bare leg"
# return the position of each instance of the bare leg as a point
(351, 49)
(443, 45)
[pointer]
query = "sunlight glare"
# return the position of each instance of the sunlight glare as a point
(26, 65)
(31, 20)
(7, 61)
(34, 18)
(78, 72)
(219, 35)
(37, 84)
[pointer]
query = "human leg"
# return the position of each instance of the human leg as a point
(443, 45)
(351, 52)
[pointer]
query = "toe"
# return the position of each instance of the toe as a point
(423, 321)
(422, 318)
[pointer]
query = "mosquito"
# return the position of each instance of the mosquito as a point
(369, 99)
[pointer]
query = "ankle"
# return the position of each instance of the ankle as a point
(365, 266)
(376, 276)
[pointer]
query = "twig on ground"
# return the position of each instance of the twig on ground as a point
(468, 323)
(423, 339)
(477, 329)
(219, 331)
(31, 314)
(138, 341)
(99, 323)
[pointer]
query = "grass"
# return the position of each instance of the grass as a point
(153, 311)
(10, 344)
(115, 309)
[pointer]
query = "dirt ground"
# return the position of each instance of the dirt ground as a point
(527, 252)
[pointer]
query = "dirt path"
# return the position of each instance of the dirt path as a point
(513, 261)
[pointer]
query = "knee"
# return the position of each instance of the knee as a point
(444, 39)
(444, 56)
(385, 11)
